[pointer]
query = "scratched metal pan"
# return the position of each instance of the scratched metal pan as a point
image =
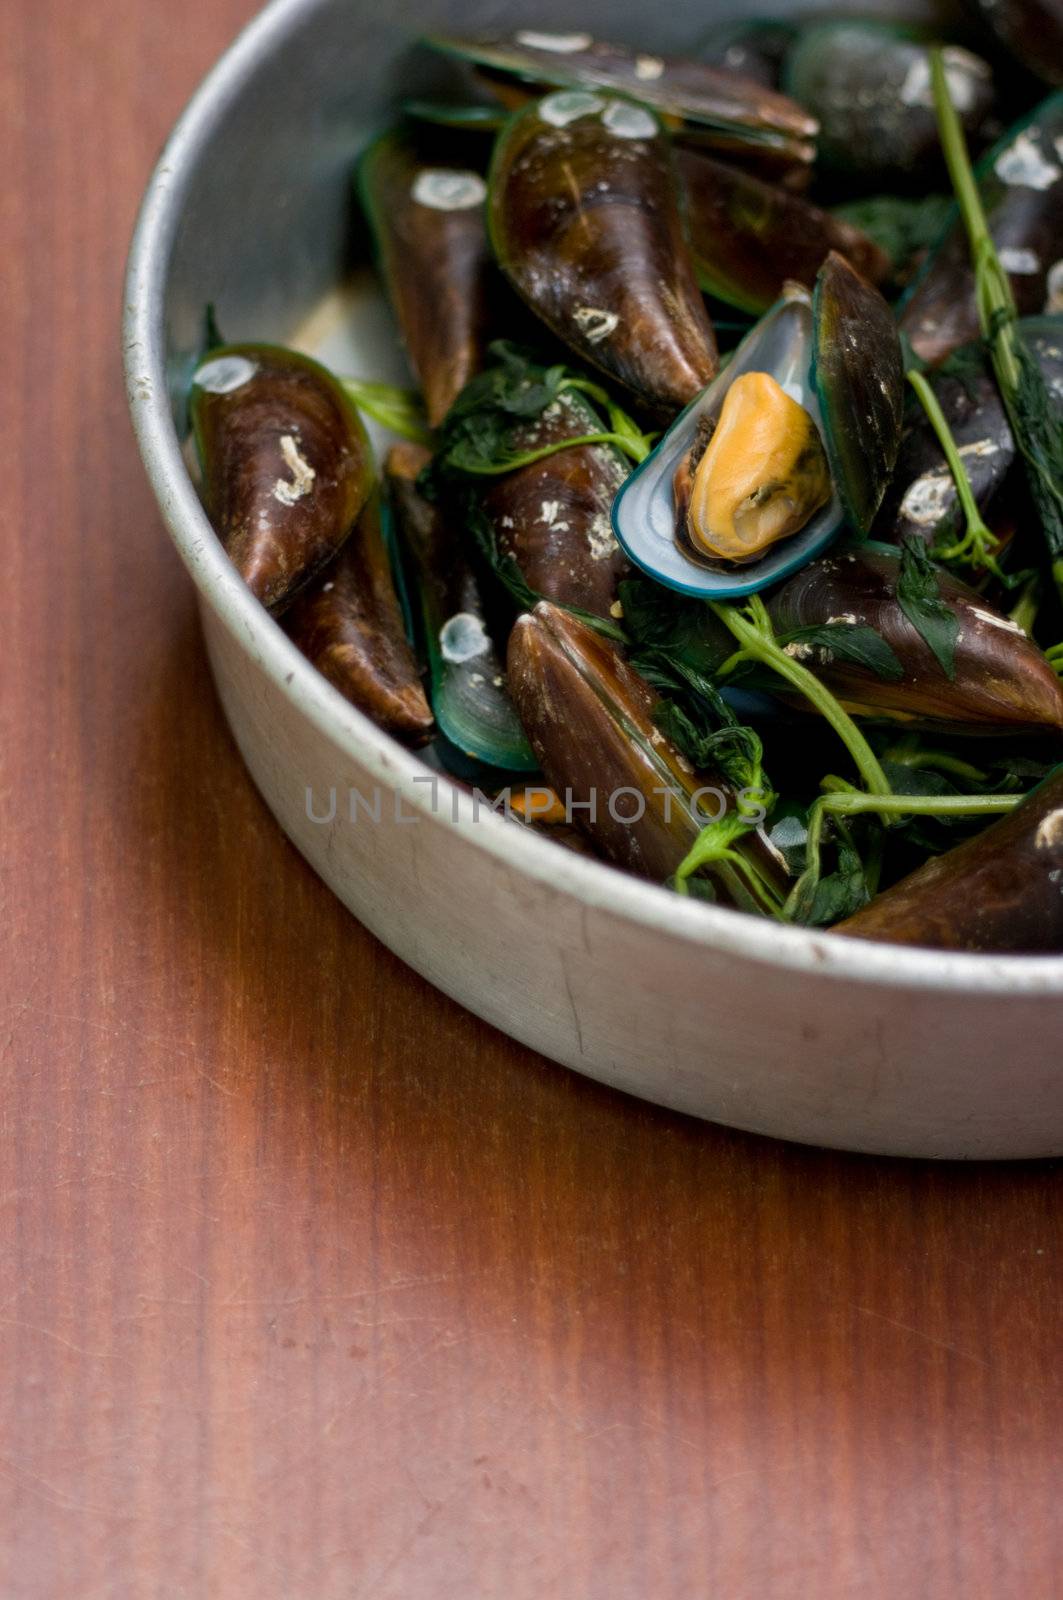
(781, 1030)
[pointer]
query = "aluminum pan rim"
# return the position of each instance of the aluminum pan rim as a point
(593, 883)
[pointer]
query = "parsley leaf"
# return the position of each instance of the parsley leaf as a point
(857, 642)
(918, 596)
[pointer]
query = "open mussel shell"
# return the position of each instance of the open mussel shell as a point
(586, 225)
(921, 500)
(644, 513)
(1031, 29)
(1000, 891)
(858, 373)
(472, 706)
(552, 516)
(1020, 182)
(1002, 682)
(285, 461)
(589, 716)
(748, 237)
(868, 85)
(349, 624)
(682, 90)
(427, 217)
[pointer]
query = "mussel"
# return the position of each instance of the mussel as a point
(466, 677)
(552, 516)
(921, 499)
(1021, 186)
(1031, 29)
(754, 48)
(285, 461)
(589, 716)
(818, 380)
(428, 222)
(1000, 891)
(1001, 681)
(586, 225)
(718, 107)
(868, 86)
(748, 237)
(349, 623)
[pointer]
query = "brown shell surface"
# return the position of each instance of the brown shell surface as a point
(1002, 682)
(349, 624)
(1000, 891)
(437, 265)
(286, 468)
(586, 225)
(553, 516)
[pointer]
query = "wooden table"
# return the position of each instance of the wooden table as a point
(315, 1288)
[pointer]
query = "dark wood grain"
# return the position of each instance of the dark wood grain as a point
(314, 1288)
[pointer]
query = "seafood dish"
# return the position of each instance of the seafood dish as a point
(718, 532)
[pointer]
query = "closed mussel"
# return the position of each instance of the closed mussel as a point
(748, 237)
(285, 461)
(1031, 29)
(1000, 891)
(922, 500)
(589, 716)
(1000, 682)
(348, 622)
(586, 225)
(428, 222)
(716, 106)
(552, 517)
(466, 678)
(1020, 183)
(868, 86)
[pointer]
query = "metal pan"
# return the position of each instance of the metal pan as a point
(781, 1030)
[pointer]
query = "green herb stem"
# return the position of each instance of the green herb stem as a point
(497, 469)
(751, 626)
(852, 803)
(399, 410)
(979, 543)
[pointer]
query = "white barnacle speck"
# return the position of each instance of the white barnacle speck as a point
(928, 498)
(798, 649)
(288, 491)
(848, 617)
(963, 71)
(595, 323)
(1054, 289)
(1022, 262)
(326, 588)
(995, 621)
(600, 541)
(505, 522)
(1023, 164)
(448, 189)
(628, 121)
(224, 374)
(548, 512)
(498, 680)
(476, 679)
(616, 609)
(463, 637)
(568, 105)
(562, 44)
(1049, 833)
(648, 68)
